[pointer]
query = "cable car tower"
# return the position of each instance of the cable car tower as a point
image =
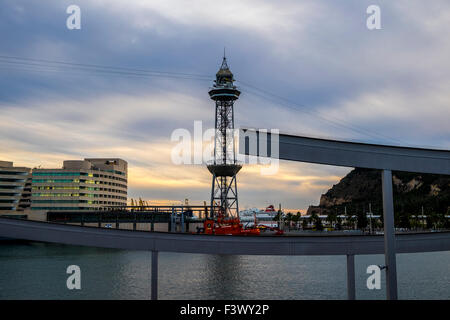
(224, 167)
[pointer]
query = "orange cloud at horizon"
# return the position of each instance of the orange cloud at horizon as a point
(152, 175)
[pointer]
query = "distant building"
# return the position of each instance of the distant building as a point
(15, 188)
(89, 184)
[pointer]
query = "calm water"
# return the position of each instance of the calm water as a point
(38, 271)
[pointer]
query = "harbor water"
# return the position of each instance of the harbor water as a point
(32, 270)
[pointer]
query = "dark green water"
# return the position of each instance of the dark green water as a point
(38, 271)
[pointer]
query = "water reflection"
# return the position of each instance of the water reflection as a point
(224, 275)
(38, 271)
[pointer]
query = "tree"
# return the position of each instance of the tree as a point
(305, 224)
(361, 220)
(442, 221)
(338, 223)
(278, 216)
(289, 219)
(317, 222)
(404, 221)
(296, 218)
(349, 218)
(431, 220)
(332, 217)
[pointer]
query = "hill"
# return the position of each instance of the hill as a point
(412, 191)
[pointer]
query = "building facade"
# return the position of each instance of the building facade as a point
(15, 188)
(89, 184)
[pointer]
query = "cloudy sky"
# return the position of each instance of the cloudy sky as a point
(304, 67)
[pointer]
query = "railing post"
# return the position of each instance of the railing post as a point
(154, 279)
(389, 235)
(169, 224)
(182, 222)
(173, 220)
(351, 288)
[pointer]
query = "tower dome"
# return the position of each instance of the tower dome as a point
(223, 88)
(224, 75)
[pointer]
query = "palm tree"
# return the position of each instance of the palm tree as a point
(289, 219)
(317, 222)
(332, 217)
(304, 224)
(296, 218)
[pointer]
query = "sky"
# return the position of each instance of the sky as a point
(304, 67)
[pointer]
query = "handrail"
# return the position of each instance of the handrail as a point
(215, 244)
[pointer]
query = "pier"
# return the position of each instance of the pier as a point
(141, 218)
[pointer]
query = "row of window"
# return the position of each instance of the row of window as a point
(59, 188)
(111, 177)
(56, 180)
(11, 187)
(75, 201)
(65, 208)
(61, 174)
(57, 194)
(12, 180)
(9, 194)
(77, 195)
(62, 201)
(60, 208)
(116, 172)
(77, 181)
(14, 173)
(77, 188)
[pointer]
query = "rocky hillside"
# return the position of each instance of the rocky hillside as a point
(363, 186)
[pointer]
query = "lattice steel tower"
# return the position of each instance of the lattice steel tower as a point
(224, 195)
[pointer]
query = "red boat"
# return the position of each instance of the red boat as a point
(233, 226)
(228, 226)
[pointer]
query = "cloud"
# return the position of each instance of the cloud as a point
(47, 133)
(420, 117)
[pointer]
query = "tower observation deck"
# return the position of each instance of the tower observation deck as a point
(224, 167)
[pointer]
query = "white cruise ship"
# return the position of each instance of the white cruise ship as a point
(263, 217)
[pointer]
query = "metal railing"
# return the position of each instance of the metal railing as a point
(348, 245)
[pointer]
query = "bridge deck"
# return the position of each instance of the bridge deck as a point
(207, 244)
